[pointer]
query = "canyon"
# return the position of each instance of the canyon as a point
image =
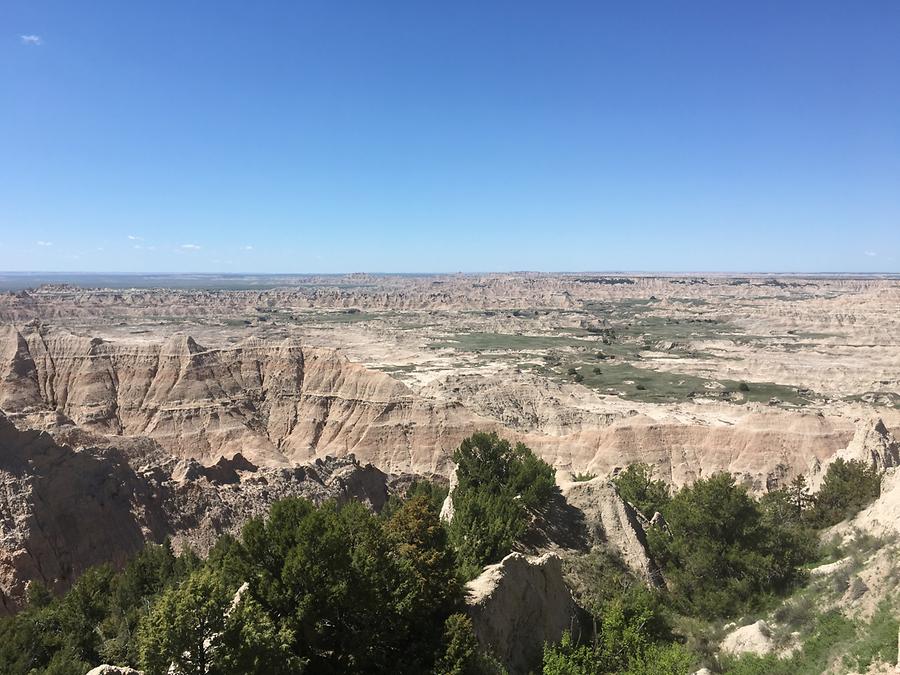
(180, 412)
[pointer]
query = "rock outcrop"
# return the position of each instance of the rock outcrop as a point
(881, 517)
(279, 402)
(276, 403)
(753, 639)
(64, 509)
(613, 522)
(873, 444)
(519, 604)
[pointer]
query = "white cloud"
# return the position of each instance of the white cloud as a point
(33, 40)
(871, 254)
(134, 237)
(248, 248)
(190, 247)
(44, 243)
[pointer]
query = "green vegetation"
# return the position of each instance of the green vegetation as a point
(724, 552)
(878, 641)
(583, 477)
(95, 621)
(848, 488)
(498, 484)
(832, 633)
(338, 589)
(636, 485)
(622, 646)
(475, 342)
(330, 589)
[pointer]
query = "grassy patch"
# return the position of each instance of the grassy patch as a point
(340, 316)
(405, 368)
(832, 636)
(878, 642)
(612, 376)
(477, 342)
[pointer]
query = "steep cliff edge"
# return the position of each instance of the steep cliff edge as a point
(64, 509)
(276, 403)
(281, 402)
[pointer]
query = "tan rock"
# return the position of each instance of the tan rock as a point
(613, 522)
(873, 444)
(753, 639)
(64, 509)
(519, 604)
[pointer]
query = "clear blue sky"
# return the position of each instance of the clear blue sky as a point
(466, 136)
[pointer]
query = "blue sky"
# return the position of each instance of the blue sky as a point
(441, 137)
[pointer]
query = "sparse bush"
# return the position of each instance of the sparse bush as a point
(878, 641)
(637, 486)
(848, 487)
(832, 634)
(796, 614)
(583, 477)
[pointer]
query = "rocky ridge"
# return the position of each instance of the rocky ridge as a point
(282, 402)
(64, 509)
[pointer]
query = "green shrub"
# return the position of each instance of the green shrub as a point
(723, 552)
(498, 484)
(848, 487)
(462, 655)
(637, 486)
(878, 641)
(623, 644)
(832, 634)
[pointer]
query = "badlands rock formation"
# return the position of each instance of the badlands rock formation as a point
(873, 444)
(156, 433)
(274, 403)
(63, 508)
(519, 604)
(612, 522)
(281, 402)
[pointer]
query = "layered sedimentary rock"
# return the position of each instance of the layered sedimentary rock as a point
(760, 449)
(611, 521)
(282, 402)
(64, 509)
(519, 604)
(276, 403)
